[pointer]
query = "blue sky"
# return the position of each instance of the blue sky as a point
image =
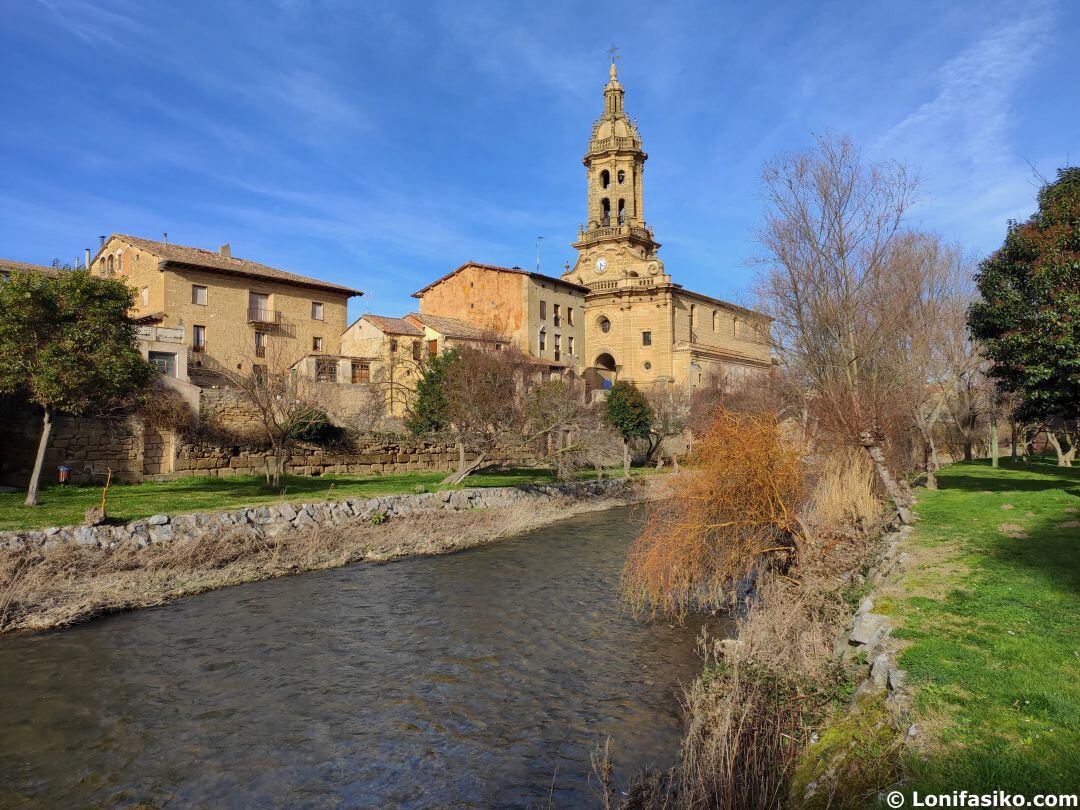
(381, 144)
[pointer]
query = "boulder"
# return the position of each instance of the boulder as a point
(86, 536)
(157, 520)
(868, 629)
(897, 678)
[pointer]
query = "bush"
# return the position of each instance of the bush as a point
(735, 505)
(323, 432)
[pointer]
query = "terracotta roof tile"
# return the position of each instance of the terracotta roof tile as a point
(394, 326)
(11, 266)
(498, 269)
(457, 328)
(210, 260)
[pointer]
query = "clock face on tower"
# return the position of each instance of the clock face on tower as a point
(601, 265)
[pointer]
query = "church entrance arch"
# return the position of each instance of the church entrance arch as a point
(605, 370)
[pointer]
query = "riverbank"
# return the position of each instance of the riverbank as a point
(67, 505)
(979, 616)
(47, 582)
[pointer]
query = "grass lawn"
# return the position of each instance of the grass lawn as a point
(62, 506)
(990, 611)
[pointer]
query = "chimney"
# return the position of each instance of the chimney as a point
(225, 250)
(165, 236)
(101, 241)
(88, 258)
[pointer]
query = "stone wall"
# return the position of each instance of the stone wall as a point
(137, 452)
(88, 446)
(271, 520)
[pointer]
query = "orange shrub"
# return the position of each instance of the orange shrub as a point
(735, 503)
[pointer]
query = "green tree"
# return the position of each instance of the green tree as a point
(628, 411)
(430, 409)
(1028, 320)
(67, 343)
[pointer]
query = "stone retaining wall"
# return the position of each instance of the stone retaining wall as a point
(270, 520)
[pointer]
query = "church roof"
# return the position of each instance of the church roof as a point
(215, 261)
(497, 269)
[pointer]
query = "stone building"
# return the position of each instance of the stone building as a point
(541, 315)
(230, 314)
(640, 325)
(387, 354)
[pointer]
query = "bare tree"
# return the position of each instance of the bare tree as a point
(832, 229)
(281, 398)
(671, 420)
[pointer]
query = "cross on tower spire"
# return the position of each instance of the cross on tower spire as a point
(613, 54)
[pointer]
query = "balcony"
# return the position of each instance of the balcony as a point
(160, 334)
(259, 315)
(605, 230)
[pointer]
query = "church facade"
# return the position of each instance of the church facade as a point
(616, 314)
(639, 324)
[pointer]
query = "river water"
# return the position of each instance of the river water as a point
(479, 679)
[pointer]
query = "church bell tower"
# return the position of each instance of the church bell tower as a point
(615, 243)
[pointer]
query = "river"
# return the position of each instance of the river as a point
(479, 679)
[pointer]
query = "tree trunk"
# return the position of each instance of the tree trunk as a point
(896, 494)
(39, 460)
(599, 471)
(1012, 438)
(1062, 461)
(280, 457)
(929, 465)
(993, 442)
(465, 469)
(625, 458)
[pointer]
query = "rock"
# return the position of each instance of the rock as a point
(879, 670)
(286, 511)
(157, 520)
(444, 495)
(897, 678)
(162, 533)
(459, 500)
(868, 629)
(52, 530)
(303, 519)
(86, 536)
(866, 605)
(95, 516)
(913, 731)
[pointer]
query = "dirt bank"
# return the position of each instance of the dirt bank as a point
(53, 586)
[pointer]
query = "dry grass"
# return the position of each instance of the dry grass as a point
(843, 493)
(738, 516)
(41, 589)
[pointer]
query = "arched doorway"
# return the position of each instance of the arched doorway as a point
(605, 370)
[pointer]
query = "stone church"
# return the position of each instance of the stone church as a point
(616, 314)
(639, 324)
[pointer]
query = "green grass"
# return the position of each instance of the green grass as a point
(993, 628)
(61, 506)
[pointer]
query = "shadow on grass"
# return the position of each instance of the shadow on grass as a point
(979, 476)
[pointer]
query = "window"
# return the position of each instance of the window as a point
(325, 370)
(393, 344)
(416, 350)
(543, 339)
(316, 311)
(605, 178)
(605, 205)
(648, 365)
(569, 316)
(693, 320)
(622, 211)
(259, 308)
(260, 344)
(543, 310)
(570, 345)
(198, 294)
(198, 338)
(111, 266)
(258, 371)
(558, 347)
(144, 296)
(604, 324)
(715, 320)
(164, 362)
(316, 344)
(432, 348)
(622, 177)
(361, 372)
(646, 338)
(556, 316)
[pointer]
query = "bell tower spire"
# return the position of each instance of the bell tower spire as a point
(615, 241)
